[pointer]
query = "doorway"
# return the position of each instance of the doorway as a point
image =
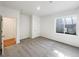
(9, 31)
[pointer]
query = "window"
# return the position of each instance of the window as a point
(60, 25)
(66, 25)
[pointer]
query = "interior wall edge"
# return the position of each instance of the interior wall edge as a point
(61, 41)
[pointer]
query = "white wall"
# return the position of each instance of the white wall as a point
(9, 12)
(22, 22)
(9, 27)
(35, 26)
(48, 28)
(24, 26)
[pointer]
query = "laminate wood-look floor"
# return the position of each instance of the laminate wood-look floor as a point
(41, 47)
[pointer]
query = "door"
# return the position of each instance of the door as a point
(0, 35)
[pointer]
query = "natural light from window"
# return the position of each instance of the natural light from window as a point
(60, 54)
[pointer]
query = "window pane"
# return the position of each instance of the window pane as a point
(70, 25)
(60, 25)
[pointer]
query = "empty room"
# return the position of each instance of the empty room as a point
(39, 29)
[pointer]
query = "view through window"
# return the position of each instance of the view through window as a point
(66, 25)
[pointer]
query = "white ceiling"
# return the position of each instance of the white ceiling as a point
(29, 7)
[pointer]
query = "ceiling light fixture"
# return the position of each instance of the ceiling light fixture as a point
(38, 8)
(50, 2)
